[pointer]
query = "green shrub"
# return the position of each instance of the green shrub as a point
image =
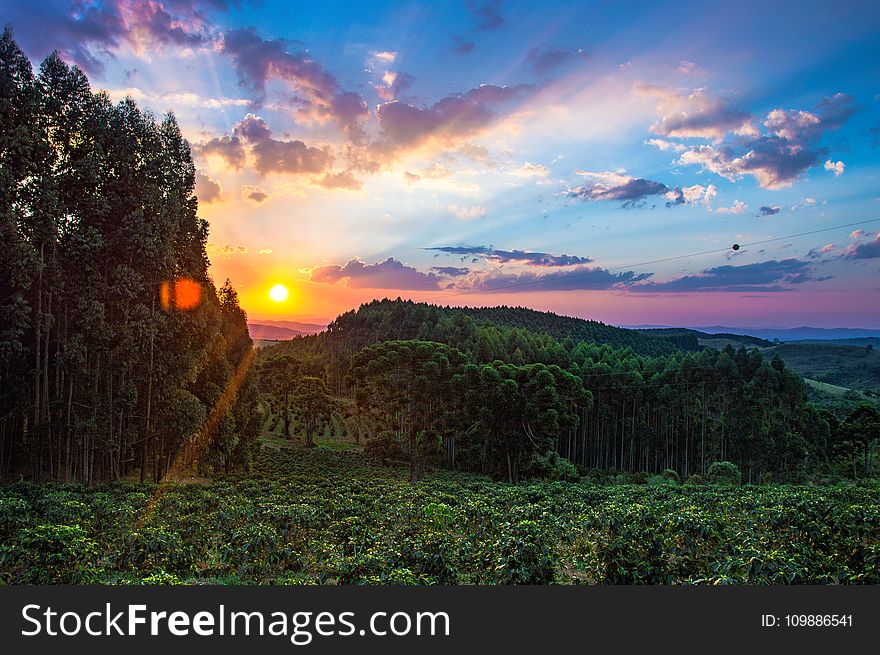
(724, 473)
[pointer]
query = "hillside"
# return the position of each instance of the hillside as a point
(718, 340)
(853, 367)
(396, 319)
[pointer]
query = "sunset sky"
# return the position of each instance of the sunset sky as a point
(437, 151)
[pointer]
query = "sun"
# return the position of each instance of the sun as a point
(278, 293)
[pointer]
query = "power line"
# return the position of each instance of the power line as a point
(575, 274)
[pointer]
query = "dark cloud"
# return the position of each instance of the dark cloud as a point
(450, 271)
(486, 13)
(85, 32)
(545, 61)
(515, 256)
(762, 276)
(259, 60)
(270, 155)
(255, 193)
(768, 211)
(207, 190)
(461, 46)
(866, 250)
(580, 279)
(389, 274)
(630, 191)
(455, 117)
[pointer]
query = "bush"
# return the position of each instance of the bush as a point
(523, 555)
(671, 475)
(724, 473)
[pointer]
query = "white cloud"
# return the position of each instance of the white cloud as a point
(835, 167)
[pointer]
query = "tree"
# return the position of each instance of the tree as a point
(857, 436)
(406, 388)
(311, 405)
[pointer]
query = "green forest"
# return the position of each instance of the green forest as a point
(143, 439)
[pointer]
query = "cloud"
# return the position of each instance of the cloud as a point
(768, 211)
(487, 14)
(467, 213)
(226, 251)
(341, 180)
(207, 190)
(866, 250)
(384, 56)
(690, 68)
(738, 207)
(545, 61)
(759, 277)
(835, 167)
(663, 144)
(461, 46)
(269, 155)
(690, 195)
(266, 251)
(542, 259)
(775, 159)
(582, 278)
(389, 274)
(855, 234)
(405, 126)
(816, 253)
(450, 271)
(254, 193)
(528, 169)
(694, 114)
(393, 83)
(259, 60)
(86, 32)
(617, 185)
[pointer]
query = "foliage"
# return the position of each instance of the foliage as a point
(724, 473)
(117, 352)
(315, 516)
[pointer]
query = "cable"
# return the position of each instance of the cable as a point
(575, 274)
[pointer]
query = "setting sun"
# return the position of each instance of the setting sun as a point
(278, 293)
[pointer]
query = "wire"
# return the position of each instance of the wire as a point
(575, 274)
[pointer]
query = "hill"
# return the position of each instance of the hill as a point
(718, 340)
(853, 367)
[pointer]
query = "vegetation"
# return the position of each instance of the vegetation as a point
(592, 404)
(852, 366)
(313, 516)
(117, 353)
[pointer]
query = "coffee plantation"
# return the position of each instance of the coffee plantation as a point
(318, 516)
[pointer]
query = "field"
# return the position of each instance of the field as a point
(325, 516)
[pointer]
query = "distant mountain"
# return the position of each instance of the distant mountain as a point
(279, 330)
(796, 334)
(803, 333)
(272, 332)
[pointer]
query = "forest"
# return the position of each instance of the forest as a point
(473, 390)
(116, 348)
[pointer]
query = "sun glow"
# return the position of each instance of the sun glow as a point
(278, 293)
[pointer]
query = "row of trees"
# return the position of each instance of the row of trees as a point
(506, 401)
(117, 353)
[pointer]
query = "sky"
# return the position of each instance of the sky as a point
(595, 159)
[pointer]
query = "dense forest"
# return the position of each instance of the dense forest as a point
(462, 389)
(117, 352)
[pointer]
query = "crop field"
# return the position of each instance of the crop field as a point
(330, 517)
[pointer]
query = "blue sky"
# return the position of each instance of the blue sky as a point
(442, 150)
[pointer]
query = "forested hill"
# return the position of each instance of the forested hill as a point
(464, 327)
(464, 390)
(118, 355)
